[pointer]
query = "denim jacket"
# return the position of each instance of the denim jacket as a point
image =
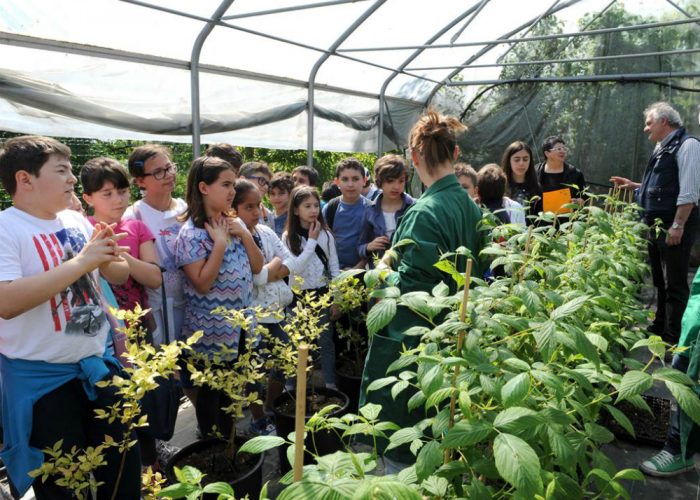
(373, 224)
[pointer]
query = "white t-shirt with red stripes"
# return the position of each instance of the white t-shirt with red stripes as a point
(71, 325)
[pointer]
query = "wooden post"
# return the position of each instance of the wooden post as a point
(300, 419)
(460, 344)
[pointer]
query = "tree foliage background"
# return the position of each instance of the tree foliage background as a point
(601, 122)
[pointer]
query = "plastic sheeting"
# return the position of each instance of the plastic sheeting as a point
(112, 69)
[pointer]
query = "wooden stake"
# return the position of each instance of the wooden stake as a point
(460, 344)
(300, 413)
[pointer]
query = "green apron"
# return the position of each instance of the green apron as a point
(443, 219)
(690, 325)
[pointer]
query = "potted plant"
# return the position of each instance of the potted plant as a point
(144, 366)
(303, 328)
(352, 296)
(218, 457)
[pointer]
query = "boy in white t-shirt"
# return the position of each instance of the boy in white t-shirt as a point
(53, 328)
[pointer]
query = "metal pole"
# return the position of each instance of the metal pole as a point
(476, 8)
(580, 79)
(194, 72)
(314, 72)
(488, 48)
(500, 41)
(561, 61)
(290, 9)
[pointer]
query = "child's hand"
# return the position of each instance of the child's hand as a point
(102, 247)
(218, 230)
(314, 230)
(236, 227)
(378, 243)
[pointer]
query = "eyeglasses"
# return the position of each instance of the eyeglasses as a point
(160, 173)
(560, 149)
(262, 181)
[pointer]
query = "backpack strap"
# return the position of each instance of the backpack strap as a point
(331, 209)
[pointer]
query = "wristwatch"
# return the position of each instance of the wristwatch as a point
(676, 225)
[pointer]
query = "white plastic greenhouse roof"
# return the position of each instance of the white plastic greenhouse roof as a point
(112, 69)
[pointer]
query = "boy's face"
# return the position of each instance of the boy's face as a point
(52, 189)
(158, 164)
(393, 189)
(300, 179)
(466, 182)
(279, 200)
(261, 181)
(350, 182)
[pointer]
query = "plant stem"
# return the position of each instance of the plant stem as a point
(460, 343)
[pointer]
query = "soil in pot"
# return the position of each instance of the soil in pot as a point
(323, 442)
(243, 472)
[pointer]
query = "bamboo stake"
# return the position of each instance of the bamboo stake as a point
(521, 271)
(300, 413)
(460, 343)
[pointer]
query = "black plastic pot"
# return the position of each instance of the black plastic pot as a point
(250, 483)
(350, 385)
(325, 441)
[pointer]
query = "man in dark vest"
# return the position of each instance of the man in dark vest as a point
(669, 191)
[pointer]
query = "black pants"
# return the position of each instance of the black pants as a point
(67, 413)
(669, 270)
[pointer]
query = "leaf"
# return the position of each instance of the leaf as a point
(569, 307)
(621, 419)
(515, 389)
(585, 347)
(371, 411)
(561, 447)
(516, 364)
(634, 383)
(518, 464)
(260, 444)
(441, 290)
(545, 338)
(438, 396)
(466, 433)
(516, 419)
(404, 436)
(672, 375)
(180, 490)
(381, 315)
(191, 475)
(630, 474)
(429, 458)
(687, 400)
(398, 387)
(381, 382)
(221, 488)
(598, 433)
(431, 380)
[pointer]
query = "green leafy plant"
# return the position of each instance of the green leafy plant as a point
(545, 355)
(147, 363)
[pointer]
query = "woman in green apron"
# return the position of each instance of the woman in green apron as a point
(443, 219)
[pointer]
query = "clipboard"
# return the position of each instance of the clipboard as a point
(554, 201)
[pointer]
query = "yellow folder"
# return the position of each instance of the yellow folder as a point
(554, 201)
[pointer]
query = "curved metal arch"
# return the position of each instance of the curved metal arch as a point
(314, 71)
(491, 46)
(476, 8)
(194, 71)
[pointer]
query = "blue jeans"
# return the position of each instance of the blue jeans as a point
(673, 438)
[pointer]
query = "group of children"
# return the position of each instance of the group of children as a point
(181, 258)
(220, 247)
(516, 187)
